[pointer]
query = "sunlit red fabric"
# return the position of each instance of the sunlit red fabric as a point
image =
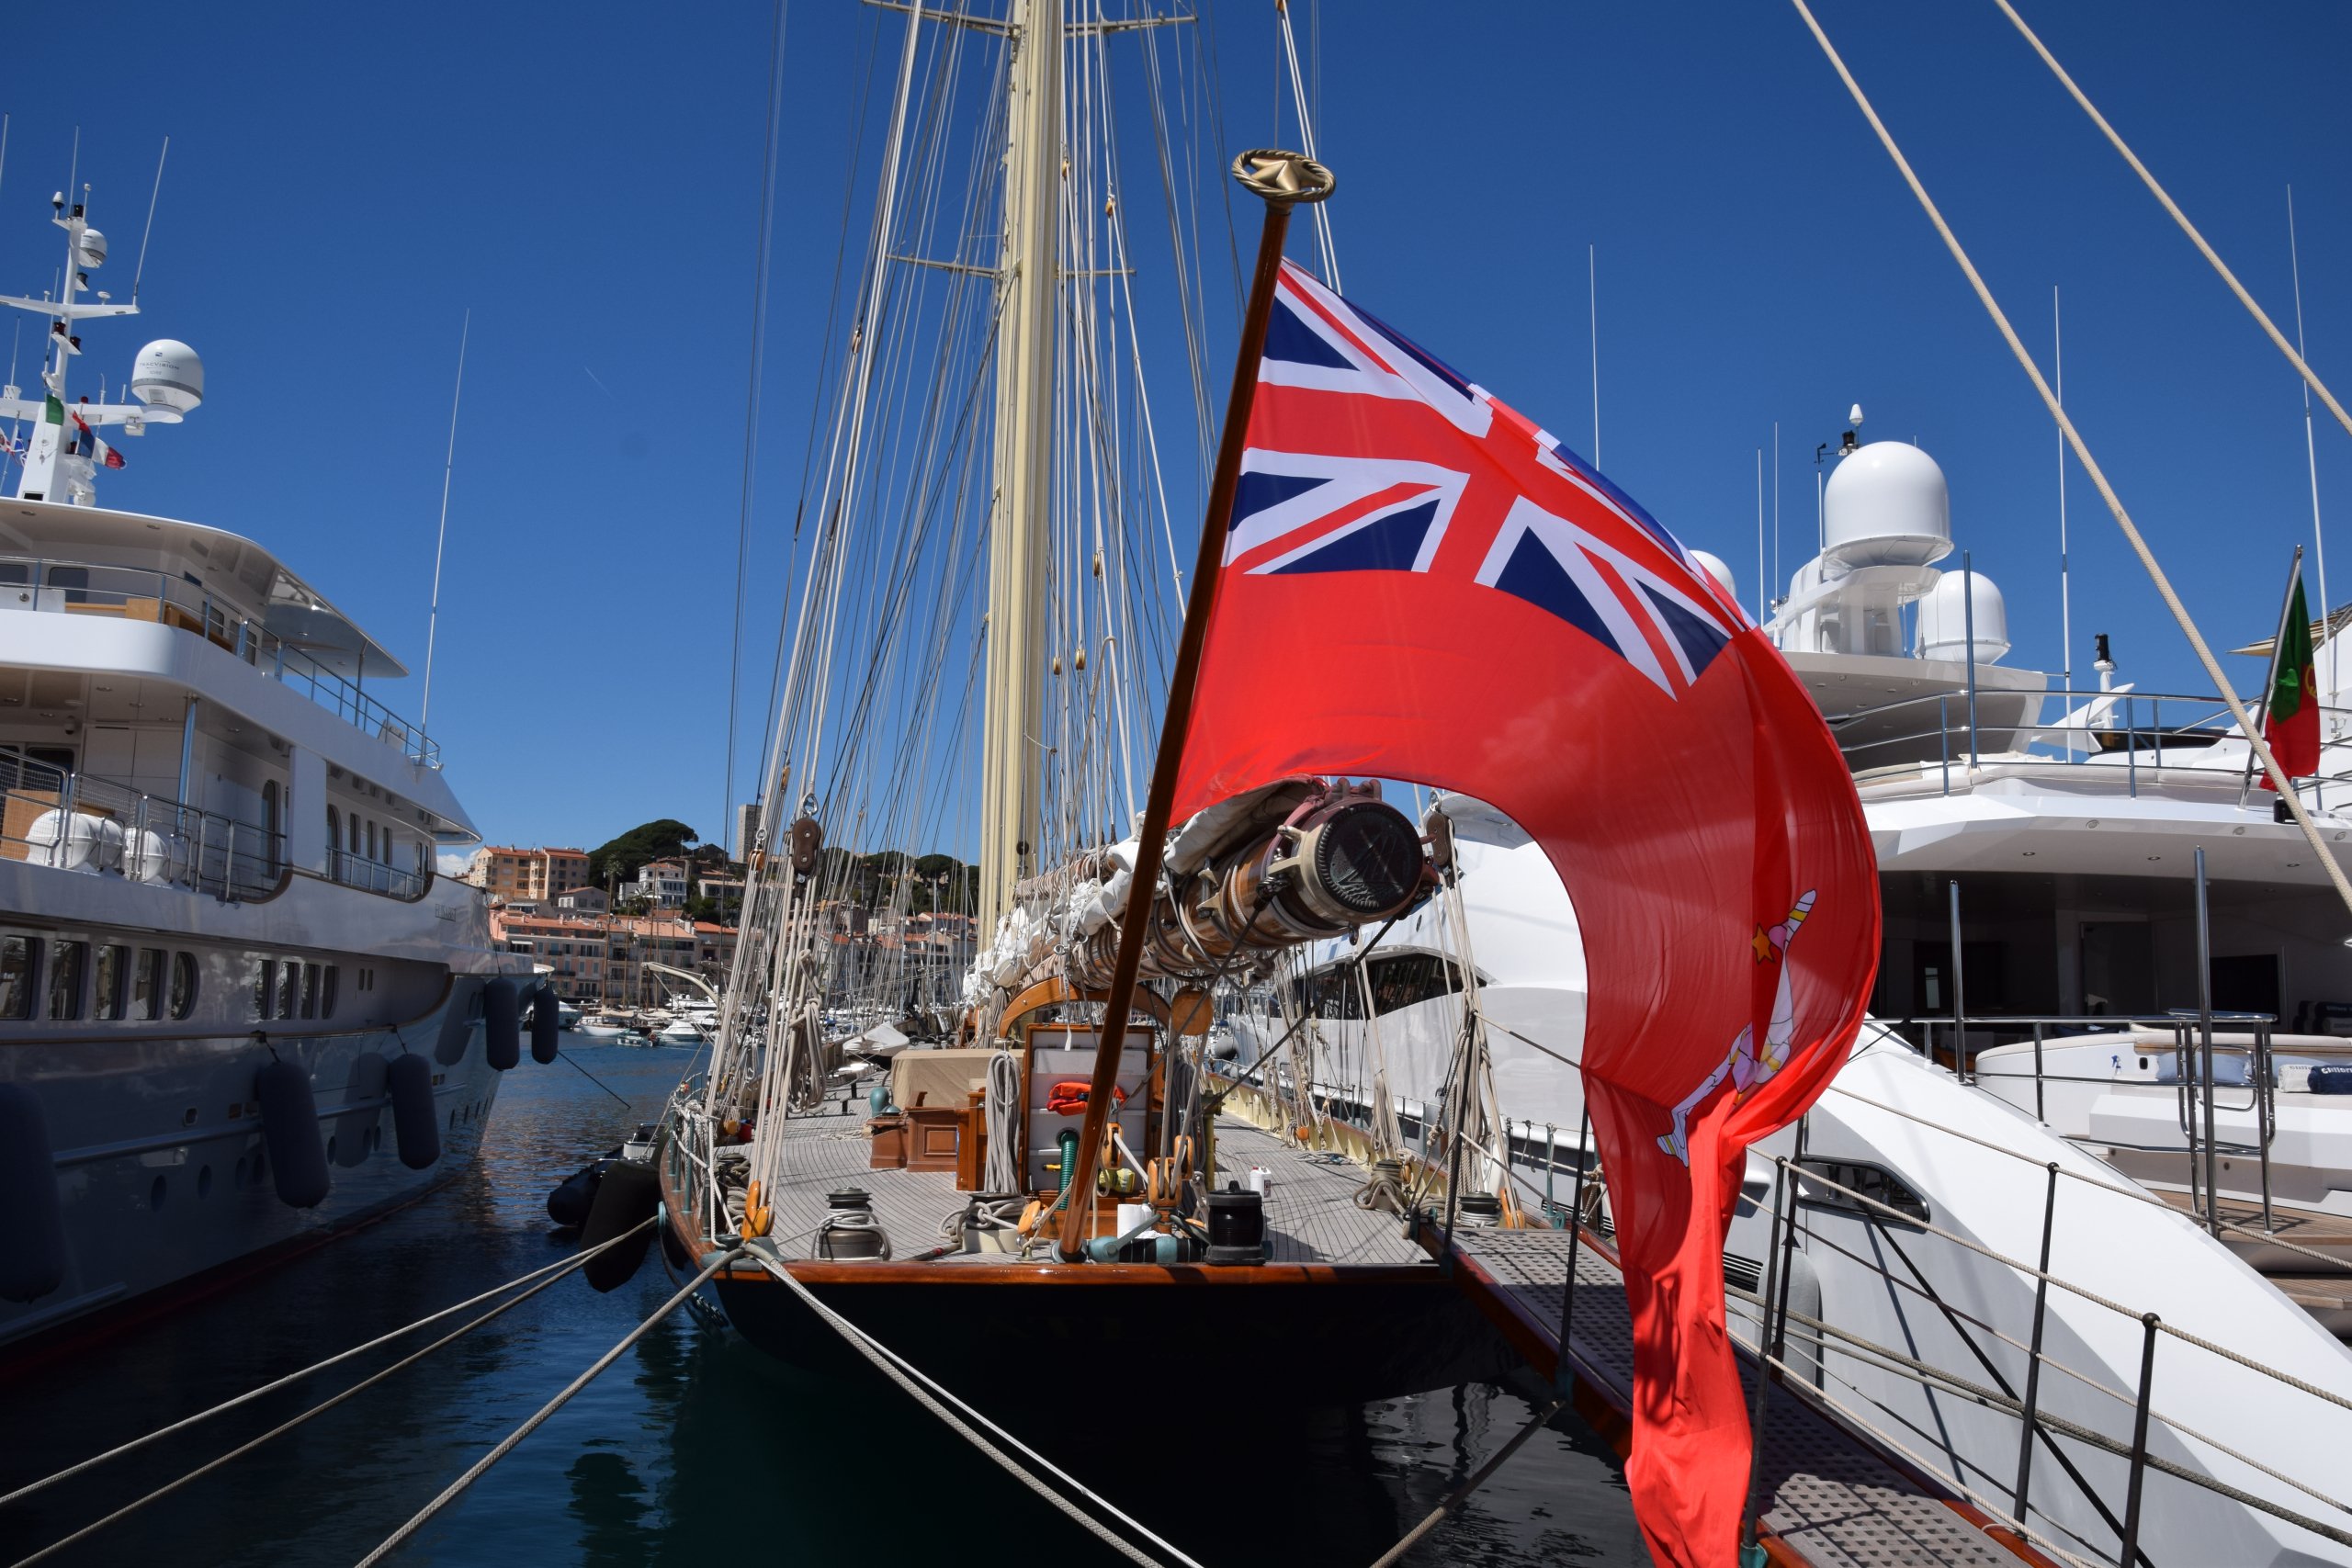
(1419, 584)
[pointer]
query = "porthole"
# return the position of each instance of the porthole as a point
(204, 1182)
(155, 1194)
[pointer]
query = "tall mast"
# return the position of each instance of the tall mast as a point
(1029, 272)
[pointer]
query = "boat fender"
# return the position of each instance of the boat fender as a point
(501, 1023)
(415, 1130)
(289, 1132)
(33, 1216)
(569, 1205)
(626, 1194)
(545, 1023)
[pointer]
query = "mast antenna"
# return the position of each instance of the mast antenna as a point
(448, 466)
(2310, 452)
(1763, 583)
(1592, 283)
(2065, 604)
(140, 270)
(4, 163)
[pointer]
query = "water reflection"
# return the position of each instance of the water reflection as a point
(694, 1439)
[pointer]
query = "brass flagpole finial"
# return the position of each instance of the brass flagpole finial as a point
(1284, 178)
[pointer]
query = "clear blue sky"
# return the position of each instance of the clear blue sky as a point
(344, 182)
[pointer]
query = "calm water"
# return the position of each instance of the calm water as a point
(693, 1445)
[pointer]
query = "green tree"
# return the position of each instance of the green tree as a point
(620, 859)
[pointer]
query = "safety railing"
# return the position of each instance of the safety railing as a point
(374, 876)
(90, 588)
(1766, 1316)
(77, 822)
(2115, 733)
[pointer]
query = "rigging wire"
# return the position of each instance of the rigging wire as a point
(759, 267)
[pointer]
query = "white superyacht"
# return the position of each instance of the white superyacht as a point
(238, 1011)
(1932, 1193)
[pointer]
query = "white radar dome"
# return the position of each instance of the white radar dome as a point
(1720, 570)
(90, 250)
(1944, 617)
(168, 376)
(1887, 505)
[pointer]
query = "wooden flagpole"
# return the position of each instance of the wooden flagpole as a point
(1283, 179)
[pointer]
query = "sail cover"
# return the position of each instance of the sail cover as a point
(1420, 584)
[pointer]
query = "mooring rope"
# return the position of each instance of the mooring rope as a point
(2214, 673)
(1478, 1478)
(506, 1444)
(921, 1388)
(317, 1410)
(558, 1269)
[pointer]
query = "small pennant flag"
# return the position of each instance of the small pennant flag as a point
(52, 410)
(108, 456)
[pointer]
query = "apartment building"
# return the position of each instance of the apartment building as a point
(508, 872)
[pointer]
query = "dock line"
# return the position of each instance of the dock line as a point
(318, 1409)
(506, 1444)
(921, 1388)
(558, 1269)
(1454, 1498)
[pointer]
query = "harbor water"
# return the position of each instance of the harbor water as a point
(693, 1443)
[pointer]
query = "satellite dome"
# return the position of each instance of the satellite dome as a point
(1720, 570)
(1944, 616)
(1886, 505)
(90, 250)
(167, 377)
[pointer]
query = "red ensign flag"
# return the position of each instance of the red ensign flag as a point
(1419, 584)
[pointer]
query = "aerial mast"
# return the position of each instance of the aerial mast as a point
(1029, 277)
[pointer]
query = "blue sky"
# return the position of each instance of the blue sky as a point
(346, 182)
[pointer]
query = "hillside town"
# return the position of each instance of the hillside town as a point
(598, 941)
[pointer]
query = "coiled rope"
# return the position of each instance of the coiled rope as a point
(506, 1444)
(317, 1410)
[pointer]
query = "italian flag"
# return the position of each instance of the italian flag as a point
(2290, 725)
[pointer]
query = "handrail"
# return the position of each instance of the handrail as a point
(2103, 744)
(78, 822)
(95, 588)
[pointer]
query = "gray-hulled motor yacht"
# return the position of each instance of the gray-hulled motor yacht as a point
(238, 1011)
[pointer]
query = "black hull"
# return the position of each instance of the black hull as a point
(1340, 1342)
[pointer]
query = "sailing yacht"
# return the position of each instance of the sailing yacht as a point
(940, 1195)
(238, 1011)
(2034, 1092)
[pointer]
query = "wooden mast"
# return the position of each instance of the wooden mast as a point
(1283, 179)
(1028, 279)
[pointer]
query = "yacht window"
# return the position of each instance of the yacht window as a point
(65, 979)
(16, 571)
(335, 829)
(182, 984)
(289, 988)
(74, 580)
(1410, 977)
(327, 990)
(147, 984)
(1875, 1182)
(355, 832)
(310, 990)
(20, 969)
(371, 841)
(113, 963)
(264, 986)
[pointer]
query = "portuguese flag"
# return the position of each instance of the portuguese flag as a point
(2291, 723)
